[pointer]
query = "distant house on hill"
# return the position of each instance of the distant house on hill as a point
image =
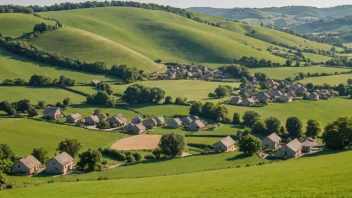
(92, 120)
(96, 82)
(313, 96)
(150, 123)
(137, 120)
(248, 102)
(301, 90)
(186, 121)
(271, 142)
(285, 99)
(73, 118)
(236, 99)
(135, 129)
(225, 145)
(60, 164)
(26, 166)
(119, 120)
(308, 144)
(263, 96)
(160, 120)
(102, 116)
(291, 150)
(174, 123)
(196, 126)
(53, 113)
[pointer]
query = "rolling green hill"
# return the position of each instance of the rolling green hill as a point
(15, 25)
(158, 34)
(331, 25)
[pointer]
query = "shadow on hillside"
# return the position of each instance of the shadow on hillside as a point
(326, 152)
(239, 157)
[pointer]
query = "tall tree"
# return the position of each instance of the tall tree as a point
(236, 120)
(70, 146)
(172, 144)
(250, 117)
(41, 155)
(272, 125)
(249, 144)
(294, 127)
(90, 160)
(196, 109)
(338, 135)
(313, 128)
(259, 127)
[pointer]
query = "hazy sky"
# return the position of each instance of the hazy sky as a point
(205, 3)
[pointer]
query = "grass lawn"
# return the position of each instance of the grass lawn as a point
(224, 130)
(324, 176)
(202, 140)
(13, 66)
(35, 94)
(25, 134)
(325, 111)
(161, 110)
(284, 72)
(331, 80)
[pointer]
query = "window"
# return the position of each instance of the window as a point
(19, 166)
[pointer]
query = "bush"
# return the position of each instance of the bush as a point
(149, 157)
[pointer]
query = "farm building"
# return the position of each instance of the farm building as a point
(301, 90)
(285, 99)
(60, 164)
(271, 142)
(291, 150)
(174, 123)
(137, 120)
(194, 118)
(248, 102)
(96, 82)
(150, 123)
(313, 96)
(197, 125)
(225, 145)
(92, 120)
(26, 166)
(308, 144)
(236, 100)
(53, 113)
(119, 120)
(73, 118)
(102, 116)
(160, 120)
(263, 96)
(186, 121)
(135, 129)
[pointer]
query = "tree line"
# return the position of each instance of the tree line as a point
(41, 80)
(254, 62)
(210, 110)
(138, 94)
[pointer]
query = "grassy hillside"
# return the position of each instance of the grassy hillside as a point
(306, 177)
(83, 45)
(332, 80)
(158, 34)
(13, 66)
(23, 135)
(15, 25)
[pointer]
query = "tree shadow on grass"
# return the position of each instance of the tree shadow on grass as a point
(239, 157)
(326, 152)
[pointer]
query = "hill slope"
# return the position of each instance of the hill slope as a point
(343, 24)
(158, 34)
(306, 177)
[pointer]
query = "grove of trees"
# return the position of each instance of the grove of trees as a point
(137, 94)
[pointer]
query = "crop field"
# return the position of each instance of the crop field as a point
(16, 24)
(137, 142)
(13, 66)
(24, 134)
(254, 181)
(285, 72)
(325, 111)
(331, 80)
(36, 94)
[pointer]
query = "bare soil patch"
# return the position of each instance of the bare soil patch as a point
(138, 142)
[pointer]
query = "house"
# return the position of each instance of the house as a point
(60, 164)
(285, 99)
(271, 142)
(236, 99)
(186, 121)
(96, 82)
(308, 144)
(135, 129)
(102, 116)
(313, 96)
(197, 125)
(26, 166)
(73, 118)
(248, 92)
(273, 84)
(225, 145)
(291, 150)
(174, 123)
(91, 120)
(291, 94)
(301, 90)
(248, 102)
(160, 120)
(277, 93)
(137, 120)
(119, 120)
(263, 96)
(194, 118)
(150, 123)
(53, 113)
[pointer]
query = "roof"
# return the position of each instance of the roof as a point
(294, 145)
(177, 120)
(64, 158)
(96, 81)
(30, 161)
(199, 123)
(51, 110)
(310, 142)
(101, 116)
(94, 118)
(140, 127)
(137, 119)
(76, 116)
(250, 100)
(274, 137)
(228, 141)
(160, 119)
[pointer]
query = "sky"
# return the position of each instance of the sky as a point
(205, 3)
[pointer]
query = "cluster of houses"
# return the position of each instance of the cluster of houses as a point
(198, 72)
(293, 149)
(58, 165)
(192, 123)
(279, 92)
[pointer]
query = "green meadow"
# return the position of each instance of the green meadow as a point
(224, 130)
(331, 80)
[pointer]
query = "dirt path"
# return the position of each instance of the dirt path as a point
(138, 142)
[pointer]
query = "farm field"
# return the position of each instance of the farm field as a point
(285, 72)
(36, 94)
(15, 24)
(137, 142)
(255, 181)
(325, 111)
(161, 110)
(24, 134)
(82, 45)
(147, 31)
(331, 80)
(13, 66)
(316, 57)
(224, 130)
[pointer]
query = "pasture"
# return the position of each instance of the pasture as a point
(13, 66)
(137, 142)
(36, 94)
(331, 80)
(25, 134)
(254, 181)
(284, 72)
(224, 130)
(161, 110)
